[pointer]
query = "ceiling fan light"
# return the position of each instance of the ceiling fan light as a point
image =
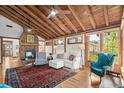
(29, 29)
(53, 13)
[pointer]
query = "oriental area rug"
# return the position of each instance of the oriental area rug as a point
(36, 77)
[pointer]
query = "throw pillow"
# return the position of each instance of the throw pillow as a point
(71, 57)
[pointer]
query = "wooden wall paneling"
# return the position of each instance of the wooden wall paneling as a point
(90, 15)
(101, 41)
(65, 44)
(122, 38)
(121, 33)
(46, 19)
(59, 23)
(76, 17)
(86, 39)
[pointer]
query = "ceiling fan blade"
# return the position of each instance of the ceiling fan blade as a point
(49, 16)
(64, 12)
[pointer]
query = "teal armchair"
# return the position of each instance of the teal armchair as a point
(104, 63)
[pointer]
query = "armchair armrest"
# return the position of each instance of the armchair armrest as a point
(116, 74)
(106, 68)
(93, 64)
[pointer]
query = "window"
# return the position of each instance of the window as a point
(111, 40)
(41, 46)
(94, 46)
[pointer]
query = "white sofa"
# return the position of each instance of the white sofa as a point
(72, 64)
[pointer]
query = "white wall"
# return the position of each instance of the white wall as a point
(48, 50)
(74, 49)
(60, 48)
(14, 32)
(15, 43)
(70, 49)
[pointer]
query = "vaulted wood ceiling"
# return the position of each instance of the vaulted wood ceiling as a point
(81, 19)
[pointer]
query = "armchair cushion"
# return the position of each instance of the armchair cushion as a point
(104, 63)
(97, 70)
(40, 58)
(60, 56)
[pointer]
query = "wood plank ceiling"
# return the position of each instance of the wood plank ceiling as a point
(81, 19)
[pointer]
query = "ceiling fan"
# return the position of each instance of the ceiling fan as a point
(55, 11)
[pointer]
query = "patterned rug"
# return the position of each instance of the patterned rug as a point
(36, 77)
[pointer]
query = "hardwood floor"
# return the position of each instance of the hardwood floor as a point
(80, 80)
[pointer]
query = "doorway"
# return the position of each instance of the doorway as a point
(7, 49)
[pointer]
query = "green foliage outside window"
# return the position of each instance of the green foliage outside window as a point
(110, 45)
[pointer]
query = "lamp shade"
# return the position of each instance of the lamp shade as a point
(55, 46)
(81, 46)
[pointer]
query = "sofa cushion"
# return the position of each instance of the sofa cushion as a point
(97, 71)
(60, 56)
(71, 57)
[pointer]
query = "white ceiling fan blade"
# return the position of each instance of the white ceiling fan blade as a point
(49, 16)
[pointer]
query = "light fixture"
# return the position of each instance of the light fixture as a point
(29, 29)
(60, 41)
(53, 12)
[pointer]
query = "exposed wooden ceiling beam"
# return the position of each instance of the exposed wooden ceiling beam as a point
(31, 25)
(58, 22)
(106, 15)
(20, 23)
(14, 18)
(76, 17)
(90, 15)
(26, 16)
(39, 20)
(46, 19)
(68, 21)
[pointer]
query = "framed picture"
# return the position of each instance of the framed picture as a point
(75, 40)
(59, 42)
(30, 38)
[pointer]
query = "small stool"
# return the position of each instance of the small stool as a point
(56, 63)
